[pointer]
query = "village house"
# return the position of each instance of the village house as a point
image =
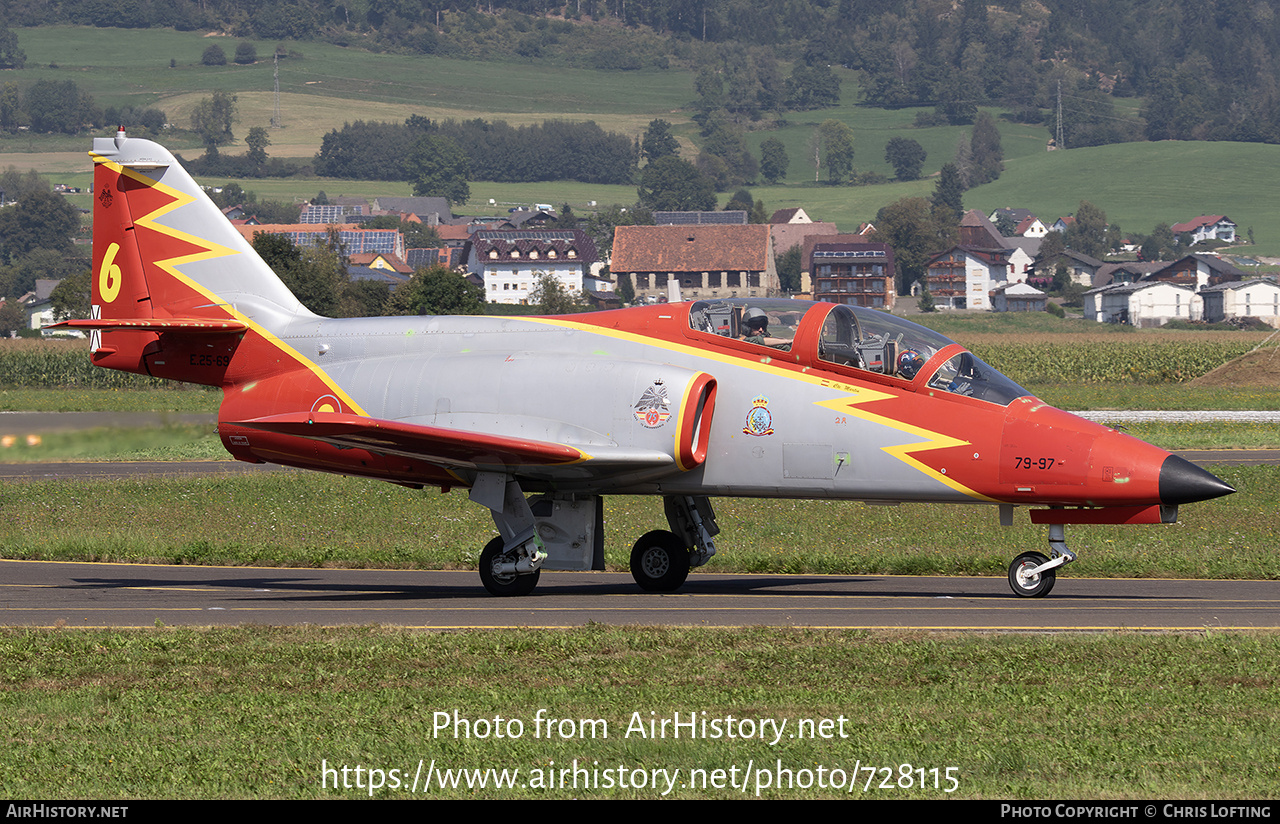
(432, 211)
(718, 261)
(1026, 224)
(380, 260)
(1242, 299)
(856, 274)
(962, 276)
(1207, 227)
(790, 228)
(966, 275)
(510, 262)
(1143, 303)
(37, 304)
(354, 239)
(1125, 272)
(978, 232)
(1080, 268)
(1198, 271)
(1018, 297)
(332, 212)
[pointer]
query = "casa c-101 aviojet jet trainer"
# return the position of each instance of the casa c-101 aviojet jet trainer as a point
(539, 417)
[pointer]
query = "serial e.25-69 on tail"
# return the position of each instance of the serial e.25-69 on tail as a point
(539, 417)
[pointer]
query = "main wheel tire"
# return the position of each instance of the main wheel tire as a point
(1036, 585)
(503, 584)
(659, 561)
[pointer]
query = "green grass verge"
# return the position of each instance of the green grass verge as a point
(178, 442)
(1204, 435)
(1157, 396)
(312, 520)
(256, 713)
(183, 399)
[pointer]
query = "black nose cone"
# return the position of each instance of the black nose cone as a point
(1182, 482)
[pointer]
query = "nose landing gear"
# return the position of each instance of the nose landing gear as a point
(1032, 575)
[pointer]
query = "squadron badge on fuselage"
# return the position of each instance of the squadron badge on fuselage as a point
(759, 419)
(653, 408)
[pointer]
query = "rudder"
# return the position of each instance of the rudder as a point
(175, 286)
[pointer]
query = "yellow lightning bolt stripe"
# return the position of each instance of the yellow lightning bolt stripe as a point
(857, 395)
(211, 251)
(903, 452)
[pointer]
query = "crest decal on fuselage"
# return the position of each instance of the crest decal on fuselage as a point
(654, 407)
(759, 419)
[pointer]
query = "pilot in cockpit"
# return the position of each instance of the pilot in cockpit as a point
(755, 328)
(910, 362)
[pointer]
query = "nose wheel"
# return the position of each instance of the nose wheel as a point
(1031, 575)
(1024, 578)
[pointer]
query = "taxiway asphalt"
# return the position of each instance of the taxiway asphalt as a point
(65, 594)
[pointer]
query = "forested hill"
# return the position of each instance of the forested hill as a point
(1203, 69)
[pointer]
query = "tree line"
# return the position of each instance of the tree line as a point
(1206, 69)
(62, 107)
(495, 150)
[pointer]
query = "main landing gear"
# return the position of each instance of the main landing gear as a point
(1032, 575)
(661, 560)
(501, 574)
(566, 532)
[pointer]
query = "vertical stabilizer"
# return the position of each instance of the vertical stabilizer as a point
(176, 288)
(162, 248)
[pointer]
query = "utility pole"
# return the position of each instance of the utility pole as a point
(275, 118)
(1058, 139)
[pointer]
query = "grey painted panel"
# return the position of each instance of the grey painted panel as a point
(808, 461)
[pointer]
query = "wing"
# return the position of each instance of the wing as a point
(187, 325)
(460, 449)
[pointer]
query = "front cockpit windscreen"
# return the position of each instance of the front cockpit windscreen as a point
(888, 345)
(877, 342)
(966, 374)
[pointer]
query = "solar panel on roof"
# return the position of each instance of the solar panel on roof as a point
(526, 234)
(847, 254)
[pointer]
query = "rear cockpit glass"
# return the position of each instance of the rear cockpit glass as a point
(766, 323)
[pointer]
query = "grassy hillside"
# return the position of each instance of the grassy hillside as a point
(1138, 184)
(330, 85)
(1141, 184)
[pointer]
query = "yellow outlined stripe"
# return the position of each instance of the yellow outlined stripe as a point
(847, 405)
(212, 250)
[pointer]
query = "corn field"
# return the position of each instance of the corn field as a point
(1026, 358)
(1114, 360)
(49, 364)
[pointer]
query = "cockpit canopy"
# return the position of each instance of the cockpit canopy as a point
(856, 338)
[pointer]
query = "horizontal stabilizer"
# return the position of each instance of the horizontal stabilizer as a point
(190, 325)
(452, 447)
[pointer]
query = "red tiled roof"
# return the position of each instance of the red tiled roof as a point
(786, 235)
(452, 232)
(700, 248)
(1196, 223)
(368, 258)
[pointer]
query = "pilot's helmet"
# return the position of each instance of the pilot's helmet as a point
(755, 319)
(910, 362)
